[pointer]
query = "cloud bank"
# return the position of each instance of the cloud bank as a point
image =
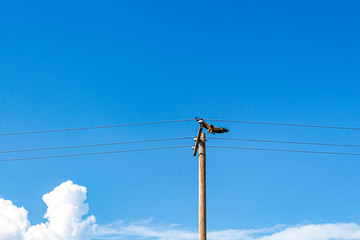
(65, 220)
(65, 209)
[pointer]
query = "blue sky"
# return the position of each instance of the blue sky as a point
(87, 63)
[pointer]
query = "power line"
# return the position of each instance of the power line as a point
(95, 127)
(175, 121)
(286, 124)
(286, 150)
(288, 142)
(173, 147)
(93, 145)
(92, 153)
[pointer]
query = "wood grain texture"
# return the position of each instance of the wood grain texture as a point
(202, 188)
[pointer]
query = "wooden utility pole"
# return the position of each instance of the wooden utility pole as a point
(200, 143)
(202, 188)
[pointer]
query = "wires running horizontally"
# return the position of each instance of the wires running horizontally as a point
(95, 127)
(286, 150)
(94, 145)
(286, 124)
(176, 121)
(92, 153)
(287, 142)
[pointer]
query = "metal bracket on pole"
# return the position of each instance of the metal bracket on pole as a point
(201, 122)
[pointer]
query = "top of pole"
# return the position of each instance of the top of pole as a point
(211, 129)
(197, 139)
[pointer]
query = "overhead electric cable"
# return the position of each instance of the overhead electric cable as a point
(93, 145)
(92, 153)
(287, 142)
(286, 124)
(95, 127)
(286, 150)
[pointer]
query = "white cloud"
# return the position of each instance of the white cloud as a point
(13, 221)
(335, 231)
(64, 214)
(66, 209)
(142, 230)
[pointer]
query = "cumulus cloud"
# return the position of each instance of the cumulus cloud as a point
(13, 221)
(65, 208)
(64, 213)
(65, 220)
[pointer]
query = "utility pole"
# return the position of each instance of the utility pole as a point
(200, 143)
(202, 188)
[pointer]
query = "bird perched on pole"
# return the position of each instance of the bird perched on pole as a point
(210, 128)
